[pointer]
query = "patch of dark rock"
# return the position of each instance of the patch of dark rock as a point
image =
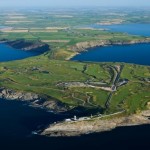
(22, 44)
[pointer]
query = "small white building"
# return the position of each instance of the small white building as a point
(67, 120)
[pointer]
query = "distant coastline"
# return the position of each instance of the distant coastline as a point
(27, 45)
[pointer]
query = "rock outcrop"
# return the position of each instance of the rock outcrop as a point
(14, 95)
(82, 46)
(27, 45)
(34, 99)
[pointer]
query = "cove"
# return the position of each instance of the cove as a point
(136, 54)
(8, 53)
(18, 119)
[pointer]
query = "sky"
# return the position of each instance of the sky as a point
(55, 3)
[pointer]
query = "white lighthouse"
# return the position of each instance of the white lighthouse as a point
(75, 118)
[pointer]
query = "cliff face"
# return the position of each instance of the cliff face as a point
(27, 45)
(85, 45)
(33, 99)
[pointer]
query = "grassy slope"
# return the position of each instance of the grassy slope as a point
(41, 75)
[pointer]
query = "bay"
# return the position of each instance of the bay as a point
(134, 29)
(8, 53)
(136, 54)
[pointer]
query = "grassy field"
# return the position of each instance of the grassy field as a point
(41, 75)
(62, 30)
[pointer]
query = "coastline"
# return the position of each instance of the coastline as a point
(34, 100)
(85, 46)
(21, 44)
(72, 55)
(78, 128)
(81, 127)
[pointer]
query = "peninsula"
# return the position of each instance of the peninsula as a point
(99, 96)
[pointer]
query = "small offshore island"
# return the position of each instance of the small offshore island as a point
(98, 96)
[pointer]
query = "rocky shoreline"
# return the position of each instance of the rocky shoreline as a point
(85, 46)
(35, 46)
(82, 46)
(34, 100)
(77, 128)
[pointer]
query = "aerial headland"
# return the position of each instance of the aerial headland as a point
(113, 93)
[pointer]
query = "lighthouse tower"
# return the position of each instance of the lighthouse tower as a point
(75, 118)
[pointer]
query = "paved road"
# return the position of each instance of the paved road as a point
(114, 87)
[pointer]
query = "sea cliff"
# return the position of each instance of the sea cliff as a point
(82, 46)
(27, 45)
(33, 99)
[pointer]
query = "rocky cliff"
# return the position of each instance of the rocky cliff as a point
(34, 99)
(82, 46)
(27, 45)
